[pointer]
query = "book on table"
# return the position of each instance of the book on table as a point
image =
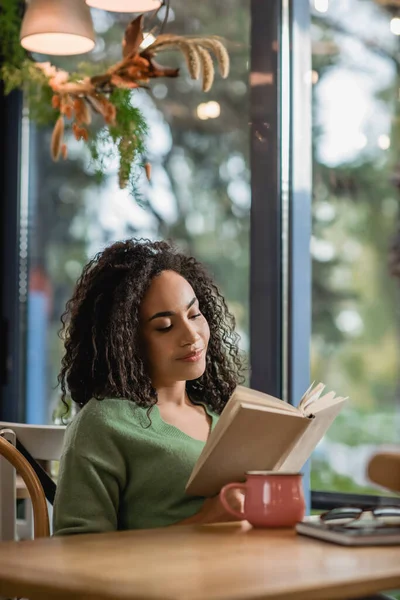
(257, 432)
(361, 533)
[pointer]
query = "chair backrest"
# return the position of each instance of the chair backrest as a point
(384, 469)
(43, 442)
(38, 499)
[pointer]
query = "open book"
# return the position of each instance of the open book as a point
(257, 432)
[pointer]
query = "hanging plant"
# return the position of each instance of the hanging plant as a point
(72, 100)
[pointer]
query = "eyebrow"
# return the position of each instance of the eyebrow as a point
(170, 313)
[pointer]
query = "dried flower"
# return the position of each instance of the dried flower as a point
(196, 53)
(77, 131)
(81, 96)
(147, 168)
(48, 69)
(123, 83)
(139, 61)
(66, 105)
(192, 58)
(55, 101)
(82, 112)
(99, 103)
(59, 78)
(165, 39)
(207, 68)
(57, 138)
(220, 52)
(122, 179)
(111, 114)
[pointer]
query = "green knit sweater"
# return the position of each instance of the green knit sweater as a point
(119, 472)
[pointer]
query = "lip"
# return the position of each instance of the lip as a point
(192, 356)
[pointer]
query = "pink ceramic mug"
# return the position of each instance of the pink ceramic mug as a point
(272, 499)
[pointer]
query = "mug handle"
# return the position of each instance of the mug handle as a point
(225, 503)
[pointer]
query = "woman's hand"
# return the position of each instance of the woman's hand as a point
(212, 510)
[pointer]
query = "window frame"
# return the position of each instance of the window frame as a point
(12, 347)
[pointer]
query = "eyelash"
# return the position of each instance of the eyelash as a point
(165, 329)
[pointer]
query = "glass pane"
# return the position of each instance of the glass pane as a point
(355, 333)
(199, 194)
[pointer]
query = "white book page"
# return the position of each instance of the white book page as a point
(326, 401)
(256, 397)
(310, 397)
(318, 426)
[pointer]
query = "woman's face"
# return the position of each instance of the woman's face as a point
(174, 331)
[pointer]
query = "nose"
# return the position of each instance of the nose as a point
(190, 334)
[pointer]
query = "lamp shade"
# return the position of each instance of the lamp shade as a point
(60, 27)
(129, 6)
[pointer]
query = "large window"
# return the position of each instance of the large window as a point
(199, 194)
(355, 327)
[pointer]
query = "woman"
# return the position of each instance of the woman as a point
(151, 358)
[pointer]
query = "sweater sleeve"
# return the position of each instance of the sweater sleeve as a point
(87, 497)
(91, 479)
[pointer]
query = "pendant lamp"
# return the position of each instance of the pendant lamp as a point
(58, 27)
(129, 6)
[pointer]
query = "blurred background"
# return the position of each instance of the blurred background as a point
(356, 179)
(200, 196)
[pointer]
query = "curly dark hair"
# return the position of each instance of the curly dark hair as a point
(100, 326)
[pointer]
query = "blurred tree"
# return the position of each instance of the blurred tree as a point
(355, 341)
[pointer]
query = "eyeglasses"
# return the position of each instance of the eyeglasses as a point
(356, 516)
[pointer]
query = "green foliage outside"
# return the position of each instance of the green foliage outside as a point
(355, 341)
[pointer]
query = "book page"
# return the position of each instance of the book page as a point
(255, 439)
(305, 395)
(319, 425)
(225, 419)
(242, 393)
(326, 401)
(312, 395)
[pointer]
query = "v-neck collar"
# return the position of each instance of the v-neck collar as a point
(166, 428)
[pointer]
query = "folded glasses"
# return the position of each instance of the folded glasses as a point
(355, 516)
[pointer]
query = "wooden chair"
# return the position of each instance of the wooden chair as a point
(384, 469)
(43, 443)
(38, 499)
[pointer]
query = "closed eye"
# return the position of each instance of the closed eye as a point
(163, 329)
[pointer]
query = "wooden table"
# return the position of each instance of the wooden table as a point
(214, 562)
